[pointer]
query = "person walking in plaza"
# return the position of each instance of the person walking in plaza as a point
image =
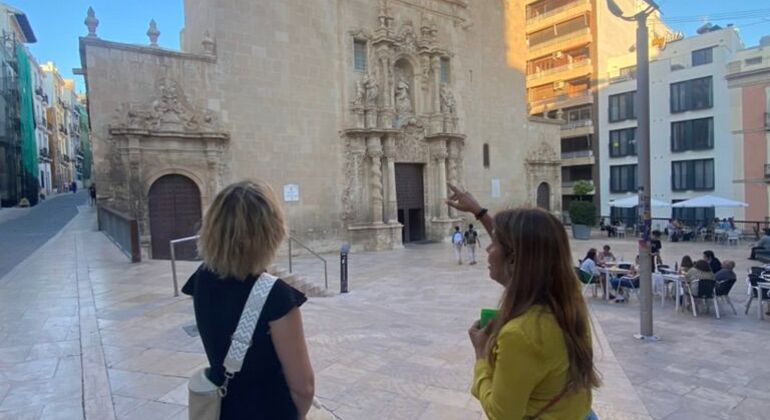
(535, 359)
(92, 194)
(655, 246)
(471, 239)
(762, 245)
(457, 244)
(74, 187)
(239, 237)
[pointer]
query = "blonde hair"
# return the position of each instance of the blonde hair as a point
(242, 230)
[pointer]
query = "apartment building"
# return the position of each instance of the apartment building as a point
(569, 43)
(691, 145)
(748, 78)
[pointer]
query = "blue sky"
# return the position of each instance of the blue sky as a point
(58, 26)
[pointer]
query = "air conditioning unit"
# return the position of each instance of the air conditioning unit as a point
(559, 85)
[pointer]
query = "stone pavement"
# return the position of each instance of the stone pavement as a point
(24, 230)
(98, 336)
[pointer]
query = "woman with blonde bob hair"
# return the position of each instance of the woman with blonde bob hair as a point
(535, 360)
(239, 237)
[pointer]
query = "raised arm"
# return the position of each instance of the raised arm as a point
(463, 201)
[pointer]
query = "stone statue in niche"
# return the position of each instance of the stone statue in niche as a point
(360, 91)
(403, 100)
(372, 90)
(447, 100)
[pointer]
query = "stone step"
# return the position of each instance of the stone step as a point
(300, 282)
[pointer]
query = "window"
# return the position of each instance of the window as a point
(692, 135)
(578, 114)
(622, 178)
(691, 95)
(622, 107)
(444, 70)
(753, 61)
(703, 56)
(485, 153)
(359, 55)
(697, 175)
(692, 216)
(623, 142)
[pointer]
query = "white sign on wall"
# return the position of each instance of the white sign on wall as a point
(495, 188)
(290, 192)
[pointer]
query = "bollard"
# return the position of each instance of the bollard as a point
(344, 268)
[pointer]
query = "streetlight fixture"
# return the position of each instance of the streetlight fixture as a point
(642, 106)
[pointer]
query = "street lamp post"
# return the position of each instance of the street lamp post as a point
(642, 106)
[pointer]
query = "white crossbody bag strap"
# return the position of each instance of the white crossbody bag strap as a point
(241, 339)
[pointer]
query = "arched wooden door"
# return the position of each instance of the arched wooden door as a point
(175, 212)
(544, 196)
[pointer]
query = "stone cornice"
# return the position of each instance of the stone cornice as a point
(142, 133)
(145, 49)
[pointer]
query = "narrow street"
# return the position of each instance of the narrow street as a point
(21, 236)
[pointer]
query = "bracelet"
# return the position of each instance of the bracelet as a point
(481, 213)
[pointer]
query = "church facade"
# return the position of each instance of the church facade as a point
(357, 112)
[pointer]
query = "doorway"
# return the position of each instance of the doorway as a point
(544, 196)
(175, 212)
(410, 198)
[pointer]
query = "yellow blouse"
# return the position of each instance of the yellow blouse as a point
(530, 370)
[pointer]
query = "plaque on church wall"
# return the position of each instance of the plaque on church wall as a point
(290, 193)
(495, 188)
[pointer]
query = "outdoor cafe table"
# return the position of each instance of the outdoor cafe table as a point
(611, 271)
(678, 279)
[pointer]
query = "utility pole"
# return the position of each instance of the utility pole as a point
(642, 107)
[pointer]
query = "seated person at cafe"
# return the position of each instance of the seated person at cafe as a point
(629, 280)
(713, 261)
(589, 265)
(726, 273)
(699, 270)
(762, 245)
(686, 264)
(655, 247)
(606, 255)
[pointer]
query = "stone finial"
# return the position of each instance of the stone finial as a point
(153, 33)
(91, 22)
(208, 43)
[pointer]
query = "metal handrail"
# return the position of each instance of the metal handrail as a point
(323, 260)
(173, 242)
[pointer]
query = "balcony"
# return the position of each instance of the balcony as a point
(561, 42)
(577, 128)
(559, 14)
(767, 121)
(567, 187)
(767, 172)
(578, 158)
(564, 100)
(564, 72)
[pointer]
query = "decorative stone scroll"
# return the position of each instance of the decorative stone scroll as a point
(169, 111)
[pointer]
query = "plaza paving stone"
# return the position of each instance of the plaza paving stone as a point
(97, 336)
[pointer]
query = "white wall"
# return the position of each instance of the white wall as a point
(726, 43)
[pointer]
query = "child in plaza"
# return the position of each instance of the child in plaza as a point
(471, 239)
(535, 359)
(241, 233)
(457, 244)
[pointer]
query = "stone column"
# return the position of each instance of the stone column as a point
(440, 154)
(374, 151)
(435, 64)
(390, 159)
(454, 158)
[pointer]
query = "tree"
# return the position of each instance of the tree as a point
(582, 212)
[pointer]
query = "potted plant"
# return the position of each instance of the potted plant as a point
(582, 212)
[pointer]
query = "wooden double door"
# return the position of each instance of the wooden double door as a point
(175, 212)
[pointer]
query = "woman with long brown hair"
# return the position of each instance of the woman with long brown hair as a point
(535, 360)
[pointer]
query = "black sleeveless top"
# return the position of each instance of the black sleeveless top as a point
(259, 390)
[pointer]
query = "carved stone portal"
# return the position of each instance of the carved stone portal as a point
(400, 112)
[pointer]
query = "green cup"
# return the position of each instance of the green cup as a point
(486, 316)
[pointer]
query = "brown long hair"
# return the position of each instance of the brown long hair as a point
(539, 271)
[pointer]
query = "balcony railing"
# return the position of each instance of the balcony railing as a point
(577, 155)
(561, 97)
(559, 39)
(577, 124)
(570, 184)
(564, 67)
(556, 11)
